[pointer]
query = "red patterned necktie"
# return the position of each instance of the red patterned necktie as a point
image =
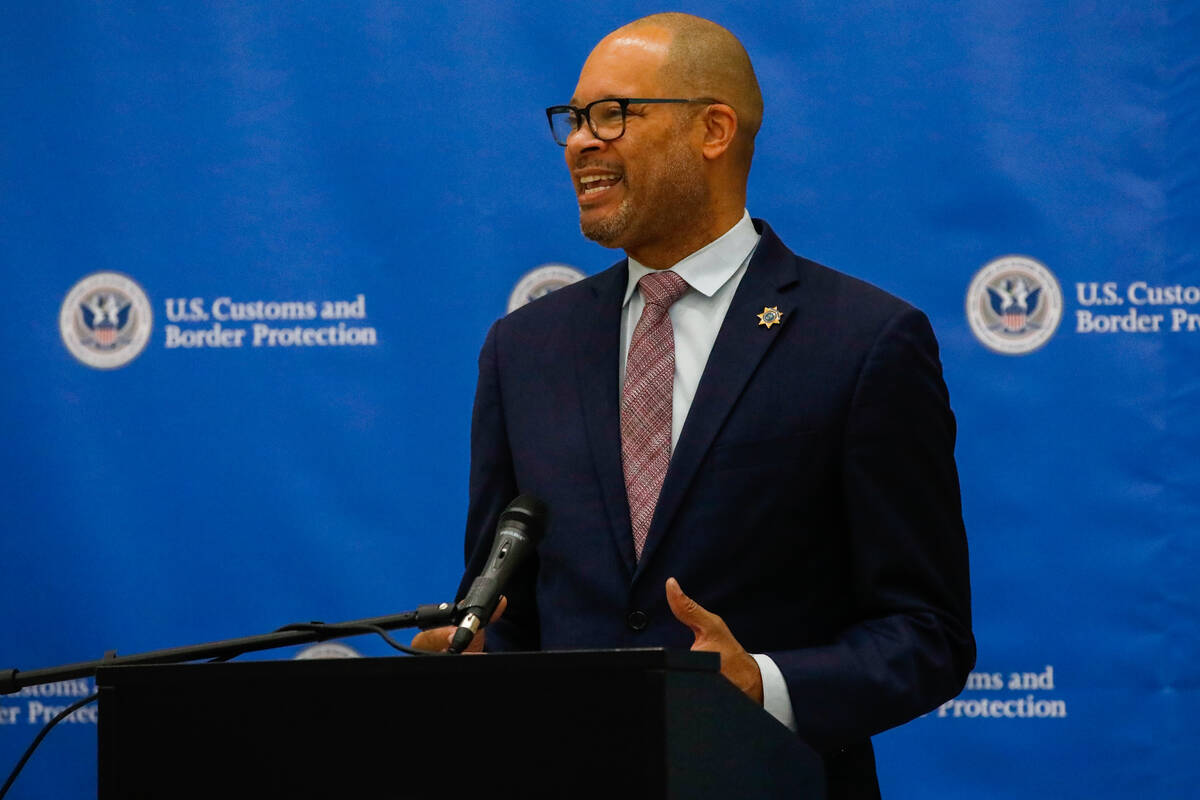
(646, 401)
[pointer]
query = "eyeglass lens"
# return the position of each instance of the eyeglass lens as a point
(606, 118)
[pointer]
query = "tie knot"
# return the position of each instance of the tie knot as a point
(662, 288)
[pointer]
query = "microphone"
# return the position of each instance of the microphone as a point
(518, 533)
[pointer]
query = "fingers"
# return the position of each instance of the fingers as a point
(712, 634)
(437, 640)
(476, 645)
(691, 613)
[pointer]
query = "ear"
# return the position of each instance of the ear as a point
(720, 126)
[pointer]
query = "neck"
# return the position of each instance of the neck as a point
(665, 254)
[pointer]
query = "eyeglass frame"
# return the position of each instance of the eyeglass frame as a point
(624, 102)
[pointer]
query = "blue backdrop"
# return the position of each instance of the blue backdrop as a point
(358, 187)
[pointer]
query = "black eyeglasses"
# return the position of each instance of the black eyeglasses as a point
(605, 118)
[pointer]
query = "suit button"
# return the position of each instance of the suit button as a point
(637, 620)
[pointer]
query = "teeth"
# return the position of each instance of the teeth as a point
(594, 178)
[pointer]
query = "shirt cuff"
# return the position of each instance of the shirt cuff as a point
(776, 700)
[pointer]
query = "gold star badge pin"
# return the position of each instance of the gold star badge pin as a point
(770, 316)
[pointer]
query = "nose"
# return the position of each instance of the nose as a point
(582, 140)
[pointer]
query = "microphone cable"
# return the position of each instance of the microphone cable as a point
(66, 712)
(315, 627)
(339, 630)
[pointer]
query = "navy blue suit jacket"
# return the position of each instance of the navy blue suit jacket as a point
(812, 500)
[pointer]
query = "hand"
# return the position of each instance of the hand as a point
(712, 635)
(438, 639)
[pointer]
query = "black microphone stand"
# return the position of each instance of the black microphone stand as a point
(426, 616)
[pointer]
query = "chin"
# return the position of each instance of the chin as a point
(609, 230)
(600, 236)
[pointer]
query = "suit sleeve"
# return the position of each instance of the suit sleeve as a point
(493, 486)
(911, 648)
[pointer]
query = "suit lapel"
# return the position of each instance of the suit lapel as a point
(599, 341)
(770, 280)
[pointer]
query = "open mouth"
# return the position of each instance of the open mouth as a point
(590, 185)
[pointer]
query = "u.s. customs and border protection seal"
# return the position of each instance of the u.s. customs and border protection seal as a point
(541, 281)
(1014, 305)
(105, 320)
(323, 650)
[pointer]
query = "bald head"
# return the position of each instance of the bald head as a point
(674, 178)
(705, 60)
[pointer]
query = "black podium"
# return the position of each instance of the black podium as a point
(619, 724)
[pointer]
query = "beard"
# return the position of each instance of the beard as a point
(667, 199)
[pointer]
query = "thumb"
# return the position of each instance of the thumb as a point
(687, 610)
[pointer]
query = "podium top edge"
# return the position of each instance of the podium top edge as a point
(638, 659)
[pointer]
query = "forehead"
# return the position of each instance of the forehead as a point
(624, 64)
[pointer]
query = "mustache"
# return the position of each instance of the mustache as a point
(596, 162)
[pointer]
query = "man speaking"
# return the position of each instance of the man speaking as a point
(742, 451)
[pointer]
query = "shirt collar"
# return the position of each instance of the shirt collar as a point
(707, 269)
